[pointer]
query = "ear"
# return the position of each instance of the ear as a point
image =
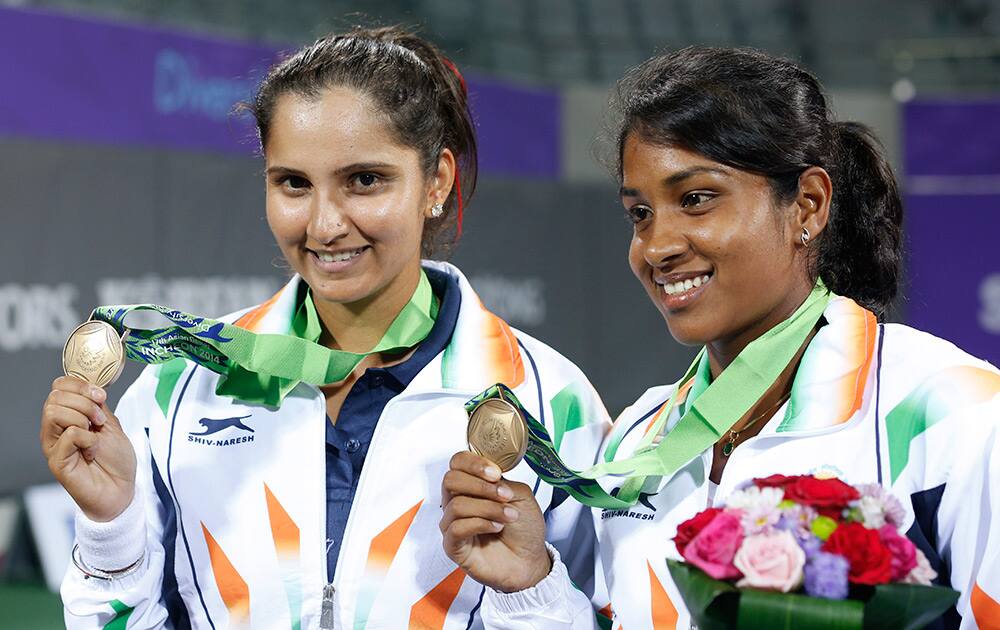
(441, 181)
(813, 202)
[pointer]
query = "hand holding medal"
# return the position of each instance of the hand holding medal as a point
(493, 527)
(86, 448)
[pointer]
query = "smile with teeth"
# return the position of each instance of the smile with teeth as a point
(674, 288)
(339, 256)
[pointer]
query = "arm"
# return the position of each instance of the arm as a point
(557, 578)
(103, 467)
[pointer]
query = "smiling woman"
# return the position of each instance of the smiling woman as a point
(769, 233)
(320, 510)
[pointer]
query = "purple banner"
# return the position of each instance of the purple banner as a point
(952, 137)
(953, 222)
(81, 80)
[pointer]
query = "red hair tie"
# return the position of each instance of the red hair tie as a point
(454, 68)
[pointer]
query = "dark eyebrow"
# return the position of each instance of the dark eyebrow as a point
(677, 178)
(357, 166)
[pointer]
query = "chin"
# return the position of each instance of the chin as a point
(687, 333)
(345, 291)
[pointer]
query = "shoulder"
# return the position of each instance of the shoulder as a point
(920, 369)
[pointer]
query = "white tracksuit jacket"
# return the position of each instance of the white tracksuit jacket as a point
(870, 403)
(234, 527)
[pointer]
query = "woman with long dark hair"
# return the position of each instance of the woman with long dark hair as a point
(234, 500)
(769, 233)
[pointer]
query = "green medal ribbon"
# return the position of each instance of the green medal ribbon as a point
(264, 368)
(705, 420)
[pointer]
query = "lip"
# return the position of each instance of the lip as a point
(682, 300)
(339, 266)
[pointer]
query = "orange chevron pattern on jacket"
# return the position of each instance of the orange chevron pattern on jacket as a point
(985, 609)
(287, 543)
(664, 613)
(232, 588)
(490, 357)
(380, 555)
(431, 611)
(841, 397)
(251, 319)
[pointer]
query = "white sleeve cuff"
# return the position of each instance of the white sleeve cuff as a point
(116, 544)
(549, 598)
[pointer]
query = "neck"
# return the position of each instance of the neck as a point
(359, 326)
(722, 352)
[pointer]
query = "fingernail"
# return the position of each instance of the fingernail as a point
(505, 492)
(492, 472)
(97, 394)
(99, 418)
(497, 525)
(511, 513)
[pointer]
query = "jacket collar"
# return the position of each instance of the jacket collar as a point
(483, 350)
(831, 385)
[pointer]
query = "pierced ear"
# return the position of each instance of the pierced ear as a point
(443, 178)
(813, 201)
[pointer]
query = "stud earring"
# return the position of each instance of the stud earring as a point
(805, 237)
(437, 210)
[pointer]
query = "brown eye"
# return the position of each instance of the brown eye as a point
(638, 214)
(693, 199)
(296, 182)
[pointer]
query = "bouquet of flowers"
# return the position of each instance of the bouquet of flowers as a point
(749, 562)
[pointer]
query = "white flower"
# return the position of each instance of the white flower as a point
(922, 573)
(755, 499)
(872, 514)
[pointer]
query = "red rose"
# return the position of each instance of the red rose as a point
(776, 481)
(828, 496)
(690, 528)
(871, 560)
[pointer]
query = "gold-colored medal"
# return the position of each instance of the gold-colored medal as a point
(498, 432)
(94, 353)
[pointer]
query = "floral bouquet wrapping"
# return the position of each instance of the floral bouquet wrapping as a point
(802, 552)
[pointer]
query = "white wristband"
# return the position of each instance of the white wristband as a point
(541, 596)
(116, 544)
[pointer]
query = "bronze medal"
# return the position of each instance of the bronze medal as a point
(498, 432)
(94, 353)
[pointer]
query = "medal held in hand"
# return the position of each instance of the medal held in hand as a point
(498, 431)
(94, 352)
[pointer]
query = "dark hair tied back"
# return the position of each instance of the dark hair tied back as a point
(766, 115)
(409, 80)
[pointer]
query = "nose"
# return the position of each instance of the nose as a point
(663, 244)
(327, 221)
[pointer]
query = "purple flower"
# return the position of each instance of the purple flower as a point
(826, 576)
(810, 543)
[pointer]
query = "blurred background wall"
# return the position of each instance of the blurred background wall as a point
(124, 176)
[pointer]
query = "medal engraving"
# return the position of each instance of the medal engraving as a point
(498, 432)
(94, 353)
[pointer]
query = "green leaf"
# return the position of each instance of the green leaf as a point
(790, 611)
(712, 603)
(718, 605)
(907, 606)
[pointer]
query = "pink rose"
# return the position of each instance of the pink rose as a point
(904, 554)
(771, 561)
(712, 550)
(922, 573)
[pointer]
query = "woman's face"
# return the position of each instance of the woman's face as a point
(346, 202)
(715, 255)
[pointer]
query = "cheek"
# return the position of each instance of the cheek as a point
(287, 222)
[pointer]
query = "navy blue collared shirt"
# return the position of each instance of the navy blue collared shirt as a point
(347, 442)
